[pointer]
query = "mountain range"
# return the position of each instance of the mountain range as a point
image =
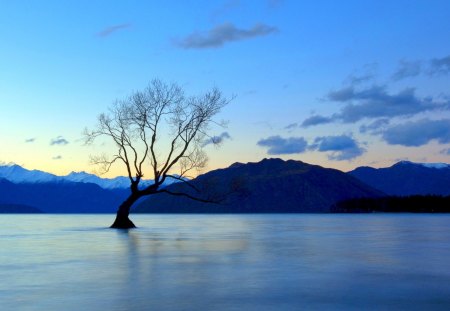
(407, 178)
(17, 174)
(271, 185)
(61, 196)
(18, 208)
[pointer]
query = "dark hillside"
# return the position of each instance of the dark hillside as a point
(406, 178)
(269, 186)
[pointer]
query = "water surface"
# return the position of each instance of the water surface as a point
(226, 262)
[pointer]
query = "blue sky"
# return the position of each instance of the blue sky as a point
(335, 83)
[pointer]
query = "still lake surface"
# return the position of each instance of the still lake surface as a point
(226, 262)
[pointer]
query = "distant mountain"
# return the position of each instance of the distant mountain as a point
(18, 209)
(120, 182)
(407, 178)
(62, 196)
(17, 174)
(272, 185)
(77, 192)
(430, 165)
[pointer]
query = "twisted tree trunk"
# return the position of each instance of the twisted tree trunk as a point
(122, 221)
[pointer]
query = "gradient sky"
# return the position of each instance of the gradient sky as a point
(335, 83)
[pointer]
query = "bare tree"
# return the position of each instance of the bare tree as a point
(159, 131)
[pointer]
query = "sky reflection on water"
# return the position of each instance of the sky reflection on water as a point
(226, 262)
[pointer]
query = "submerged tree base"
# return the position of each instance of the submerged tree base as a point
(123, 223)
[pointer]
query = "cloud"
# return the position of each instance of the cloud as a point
(224, 33)
(407, 69)
(112, 29)
(291, 127)
(342, 95)
(445, 151)
(30, 140)
(342, 147)
(434, 66)
(376, 102)
(418, 133)
(361, 78)
(316, 120)
(59, 141)
(58, 157)
(278, 145)
(440, 65)
(216, 140)
(375, 127)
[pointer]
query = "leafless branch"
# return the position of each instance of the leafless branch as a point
(184, 180)
(183, 194)
(142, 123)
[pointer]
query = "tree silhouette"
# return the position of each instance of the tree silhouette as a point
(160, 131)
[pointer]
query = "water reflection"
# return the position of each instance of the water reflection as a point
(241, 262)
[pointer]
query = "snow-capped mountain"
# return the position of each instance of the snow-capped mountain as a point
(438, 165)
(18, 175)
(120, 182)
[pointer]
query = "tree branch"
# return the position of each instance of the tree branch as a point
(182, 194)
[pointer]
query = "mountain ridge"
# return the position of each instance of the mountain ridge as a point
(17, 174)
(62, 197)
(271, 185)
(407, 178)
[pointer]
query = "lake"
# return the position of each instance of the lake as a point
(226, 262)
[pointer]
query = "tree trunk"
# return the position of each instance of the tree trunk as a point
(122, 221)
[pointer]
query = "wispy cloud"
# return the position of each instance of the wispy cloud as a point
(30, 140)
(374, 128)
(342, 147)
(217, 140)
(366, 74)
(58, 141)
(112, 29)
(440, 65)
(418, 133)
(58, 157)
(362, 78)
(407, 69)
(431, 67)
(316, 120)
(222, 34)
(291, 127)
(277, 145)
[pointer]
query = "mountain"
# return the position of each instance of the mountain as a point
(18, 209)
(120, 182)
(407, 178)
(62, 196)
(272, 185)
(431, 165)
(17, 174)
(77, 192)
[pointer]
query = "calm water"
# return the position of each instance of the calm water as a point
(238, 262)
